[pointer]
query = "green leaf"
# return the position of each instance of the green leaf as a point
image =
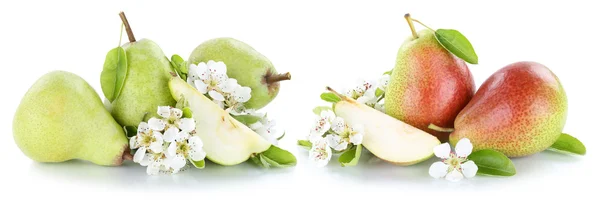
(492, 162)
(179, 66)
(256, 160)
(198, 164)
(388, 72)
(187, 112)
(247, 119)
(276, 157)
(130, 131)
(305, 143)
(320, 109)
(330, 97)
(568, 144)
(379, 92)
(281, 137)
(113, 73)
(457, 44)
(350, 157)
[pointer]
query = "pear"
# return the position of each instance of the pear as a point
(520, 110)
(226, 140)
(61, 117)
(246, 65)
(428, 85)
(386, 137)
(146, 86)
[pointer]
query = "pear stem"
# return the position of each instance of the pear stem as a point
(440, 129)
(127, 27)
(278, 77)
(411, 25)
(343, 97)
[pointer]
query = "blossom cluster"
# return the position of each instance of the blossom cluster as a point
(332, 132)
(370, 93)
(211, 79)
(167, 143)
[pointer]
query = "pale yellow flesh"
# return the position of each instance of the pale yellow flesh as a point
(226, 141)
(386, 137)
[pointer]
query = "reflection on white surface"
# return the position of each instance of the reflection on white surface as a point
(370, 172)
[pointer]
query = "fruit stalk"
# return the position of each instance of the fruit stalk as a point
(127, 27)
(440, 129)
(343, 97)
(411, 25)
(278, 77)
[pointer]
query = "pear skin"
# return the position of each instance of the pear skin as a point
(428, 85)
(61, 117)
(246, 65)
(147, 83)
(520, 110)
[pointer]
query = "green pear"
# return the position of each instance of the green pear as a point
(246, 65)
(146, 86)
(386, 137)
(226, 140)
(61, 117)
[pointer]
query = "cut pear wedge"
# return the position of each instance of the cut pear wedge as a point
(386, 137)
(226, 140)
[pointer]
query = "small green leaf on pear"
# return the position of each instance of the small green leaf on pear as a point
(492, 162)
(305, 143)
(320, 109)
(179, 66)
(388, 72)
(351, 156)
(263, 161)
(113, 73)
(379, 92)
(256, 160)
(187, 112)
(246, 119)
(277, 157)
(330, 97)
(198, 164)
(457, 44)
(568, 144)
(130, 131)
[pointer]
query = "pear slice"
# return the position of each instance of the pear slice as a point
(226, 140)
(386, 137)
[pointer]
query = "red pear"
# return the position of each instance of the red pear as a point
(520, 110)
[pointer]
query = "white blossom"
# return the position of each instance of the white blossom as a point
(454, 165)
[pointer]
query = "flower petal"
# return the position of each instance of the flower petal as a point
(454, 176)
(336, 142)
(338, 125)
(171, 134)
(202, 70)
(229, 86)
(153, 168)
(143, 127)
(329, 115)
(187, 124)
(216, 96)
(442, 150)
(217, 67)
(148, 158)
(182, 136)
(463, 148)
(164, 111)
(156, 124)
(133, 144)
(469, 169)
(383, 82)
(356, 138)
(178, 162)
(438, 169)
(195, 143)
(139, 155)
(242, 94)
(201, 86)
(176, 113)
(172, 149)
(156, 147)
(198, 155)
(320, 153)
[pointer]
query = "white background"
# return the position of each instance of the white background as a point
(333, 43)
